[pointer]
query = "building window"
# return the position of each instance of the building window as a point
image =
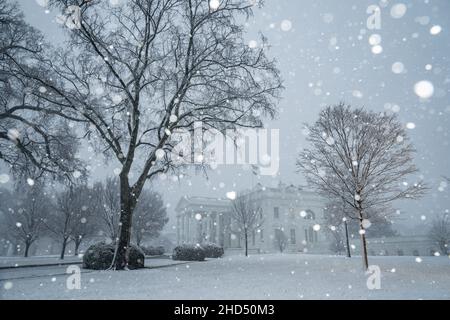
(310, 215)
(311, 235)
(293, 240)
(261, 235)
(276, 212)
(306, 235)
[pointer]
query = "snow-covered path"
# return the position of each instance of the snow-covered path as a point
(274, 276)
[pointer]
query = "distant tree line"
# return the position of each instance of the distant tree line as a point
(72, 214)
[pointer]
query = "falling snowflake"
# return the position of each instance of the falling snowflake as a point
(330, 141)
(173, 118)
(214, 4)
(424, 89)
(374, 39)
(4, 178)
(398, 10)
(435, 30)
(252, 44)
(366, 223)
(7, 285)
(13, 134)
(398, 67)
(231, 195)
(286, 25)
(377, 49)
(159, 153)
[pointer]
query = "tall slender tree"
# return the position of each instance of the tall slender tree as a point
(361, 157)
(247, 216)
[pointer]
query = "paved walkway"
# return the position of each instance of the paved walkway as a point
(37, 261)
(54, 261)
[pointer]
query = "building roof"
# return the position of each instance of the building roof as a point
(291, 190)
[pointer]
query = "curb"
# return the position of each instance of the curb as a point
(41, 265)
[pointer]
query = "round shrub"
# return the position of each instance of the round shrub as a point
(212, 250)
(188, 252)
(153, 251)
(99, 256)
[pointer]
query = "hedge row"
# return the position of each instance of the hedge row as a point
(191, 252)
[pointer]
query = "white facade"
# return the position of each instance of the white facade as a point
(416, 245)
(287, 208)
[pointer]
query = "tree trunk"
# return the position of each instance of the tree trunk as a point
(126, 213)
(77, 246)
(363, 241)
(27, 249)
(63, 249)
(347, 241)
(138, 239)
(246, 243)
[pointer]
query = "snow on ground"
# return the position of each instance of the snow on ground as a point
(270, 276)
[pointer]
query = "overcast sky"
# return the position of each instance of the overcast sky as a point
(325, 57)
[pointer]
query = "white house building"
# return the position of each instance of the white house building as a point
(291, 209)
(297, 212)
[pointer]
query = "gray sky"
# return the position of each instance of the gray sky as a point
(324, 55)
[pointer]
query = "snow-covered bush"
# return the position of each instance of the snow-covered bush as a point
(212, 250)
(99, 256)
(153, 251)
(188, 252)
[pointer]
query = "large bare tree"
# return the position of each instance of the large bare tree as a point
(247, 216)
(140, 71)
(361, 157)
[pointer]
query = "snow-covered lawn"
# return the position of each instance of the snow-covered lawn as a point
(270, 276)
